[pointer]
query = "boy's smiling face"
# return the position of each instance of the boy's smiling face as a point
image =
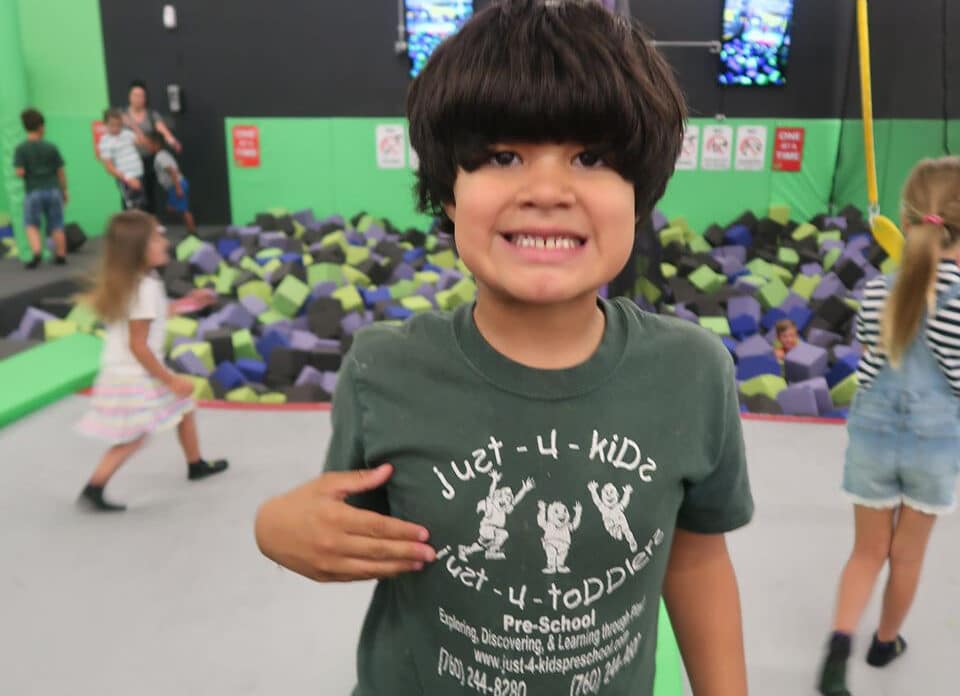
(542, 223)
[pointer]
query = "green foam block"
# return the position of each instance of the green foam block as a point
(355, 277)
(269, 253)
(650, 291)
(888, 265)
(325, 273)
(788, 257)
(187, 248)
(248, 264)
(84, 317)
(403, 288)
(180, 327)
(719, 325)
(830, 258)
(760, 267)
(769, 385)
(668, 270)
(258, 288)
(773, 294)
(245, 395)
(842, 393)
(202, 391)
(271, 316)
(417, 304)
(58, 328)
(426, 278)
(699, 245)
(225, 280)
(444, 259)
(357, 255)
(243, 345)
(201, 349)
(705, 280)
(780, 213)
(290, 295)
(466, 289)
(336, 239)
(829, 236)
(365, 223)
(785, 275)
(669, 235)
(273, 398)
(803, 231)
(804, 285)
(349, 298)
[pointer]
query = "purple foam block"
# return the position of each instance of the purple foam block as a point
(430, 292)
(329, 382)
(318, 248)
(860, 285)
(251, 232)
(683, 313)
(793, 301)
(835, 223)
(771, 337)
(18, 335)
(823, 338)
(304, 217)
(731, 251)
(869, 272)
(284, 327)
(368, 317)
(356, 239)
(324, 289)
(352, 322)
(237, 255)
(829, 244)
(273, 239)
(449, 278)
(804, 362)
(821, 392)
(659, 220)
(237, 316)
(740, 283)
(811, 269)
(334, 220)
(753, 347)
(744, 305)
(840, 352)
(797, 401)
(206, 259)
(301, 323)
(192, 365)
(402, 272)
(830, 285)
(31, 318)
(327, 345)
(254, 305)
(861, 242)
(208, 324)
(729, 265)
(309, 375)
(375, 232)
(303, 340)
(180, 340)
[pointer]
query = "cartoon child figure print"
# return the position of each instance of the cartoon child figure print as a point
(611, 506)
(554, 520)
(499, 503)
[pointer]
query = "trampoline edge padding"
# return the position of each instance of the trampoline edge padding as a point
(43, 375)
(669, 677)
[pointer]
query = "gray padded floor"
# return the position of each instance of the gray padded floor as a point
(172, 597)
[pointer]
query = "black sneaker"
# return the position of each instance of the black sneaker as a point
(882, 654)
(60, 261)
(32, 264)
(203, 468)
(833, 676)
(92, 498)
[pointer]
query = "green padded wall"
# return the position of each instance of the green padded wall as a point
(13, 98)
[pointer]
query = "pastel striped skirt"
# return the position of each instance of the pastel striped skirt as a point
(124, 407)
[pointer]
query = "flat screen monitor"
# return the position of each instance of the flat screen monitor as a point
(756, 42)
(428, 22)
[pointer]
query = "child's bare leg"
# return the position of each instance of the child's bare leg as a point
(871, 548)
(189, 222)
(113, 460)
(906, 559)
(60, 242)
(189, 440)
(33, 239)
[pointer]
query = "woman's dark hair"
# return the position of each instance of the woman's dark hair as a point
(137, 83)
(546, 71)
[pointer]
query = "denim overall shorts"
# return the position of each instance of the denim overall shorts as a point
(904, 434)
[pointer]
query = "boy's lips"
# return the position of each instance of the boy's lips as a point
(544, 245)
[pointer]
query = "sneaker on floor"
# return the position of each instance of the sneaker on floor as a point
(833, 675)
(882, 654)
(60, 261)
(32, 264)
(203, 468)
(92, 499)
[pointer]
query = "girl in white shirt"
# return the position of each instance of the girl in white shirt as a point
(135, 394)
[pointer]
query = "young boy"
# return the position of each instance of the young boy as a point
(41, 167)
(542, 169)
(787, 336)
(171, 180)
(118, 153)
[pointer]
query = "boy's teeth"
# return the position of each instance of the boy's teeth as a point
(526, 241)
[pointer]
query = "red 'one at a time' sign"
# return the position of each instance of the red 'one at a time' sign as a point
(246, 146)
(788, 150)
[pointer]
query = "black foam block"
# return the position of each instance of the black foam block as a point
(769, 231)
(76, 237)
(177, 270)
(210, 234)
(390, 250)
(284, 366)
(285, 225)
(314, 236)
(356, 218)
(306, 394)
(672, 252)
(221, 341)
(346, 343)
(876, 256)
(761, 403)
(325, 361)
(835, 312)
(819, 222)
(683, 291)
(266, 222)
(330, 254)
(706, 259)
(415, 237)
(324, 315)
(244, 276)
(848, 272)
(714, 235)
(293, 268)
(179, 288)
(706, 306)
(293, 245)
(58, 306)
(748, 220)
(378, 273)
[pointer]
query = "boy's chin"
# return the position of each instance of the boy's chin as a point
(545, 296)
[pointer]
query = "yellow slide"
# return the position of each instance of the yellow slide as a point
(884, 229)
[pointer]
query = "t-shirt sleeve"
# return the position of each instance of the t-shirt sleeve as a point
(57, 158)
(106, 144)
(721, 500)
(346, 452)
(19, 158)
(148, 300)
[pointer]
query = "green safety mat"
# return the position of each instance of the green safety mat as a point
(45, 374)
(669, 681)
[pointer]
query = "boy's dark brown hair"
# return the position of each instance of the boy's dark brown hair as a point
(112, 113)
(156, 138)
(783, 325)
(32, 120)
(565, 71)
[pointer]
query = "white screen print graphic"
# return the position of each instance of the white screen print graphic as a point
(554, 630)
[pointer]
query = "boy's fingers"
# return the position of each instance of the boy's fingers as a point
(366, 549)
(351, 569)
(373, 525)
(344, 483)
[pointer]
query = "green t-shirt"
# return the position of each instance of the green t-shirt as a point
(41, 160)
(551, 497)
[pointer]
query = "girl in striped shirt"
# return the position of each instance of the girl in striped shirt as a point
(903, 455)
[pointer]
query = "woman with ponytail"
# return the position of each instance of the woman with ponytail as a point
(903, 455)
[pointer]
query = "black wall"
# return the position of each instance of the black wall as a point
(330, 58)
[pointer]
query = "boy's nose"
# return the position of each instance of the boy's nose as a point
(546, 188)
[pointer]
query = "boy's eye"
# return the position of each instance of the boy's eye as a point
(590, 160)
(504, 158)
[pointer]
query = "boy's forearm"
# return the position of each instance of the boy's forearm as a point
(154, 367)
(62, 176)
(704, 606)
(113, 171)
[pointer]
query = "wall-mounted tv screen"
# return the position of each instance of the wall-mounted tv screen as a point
(756, 42)
(428, 23)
